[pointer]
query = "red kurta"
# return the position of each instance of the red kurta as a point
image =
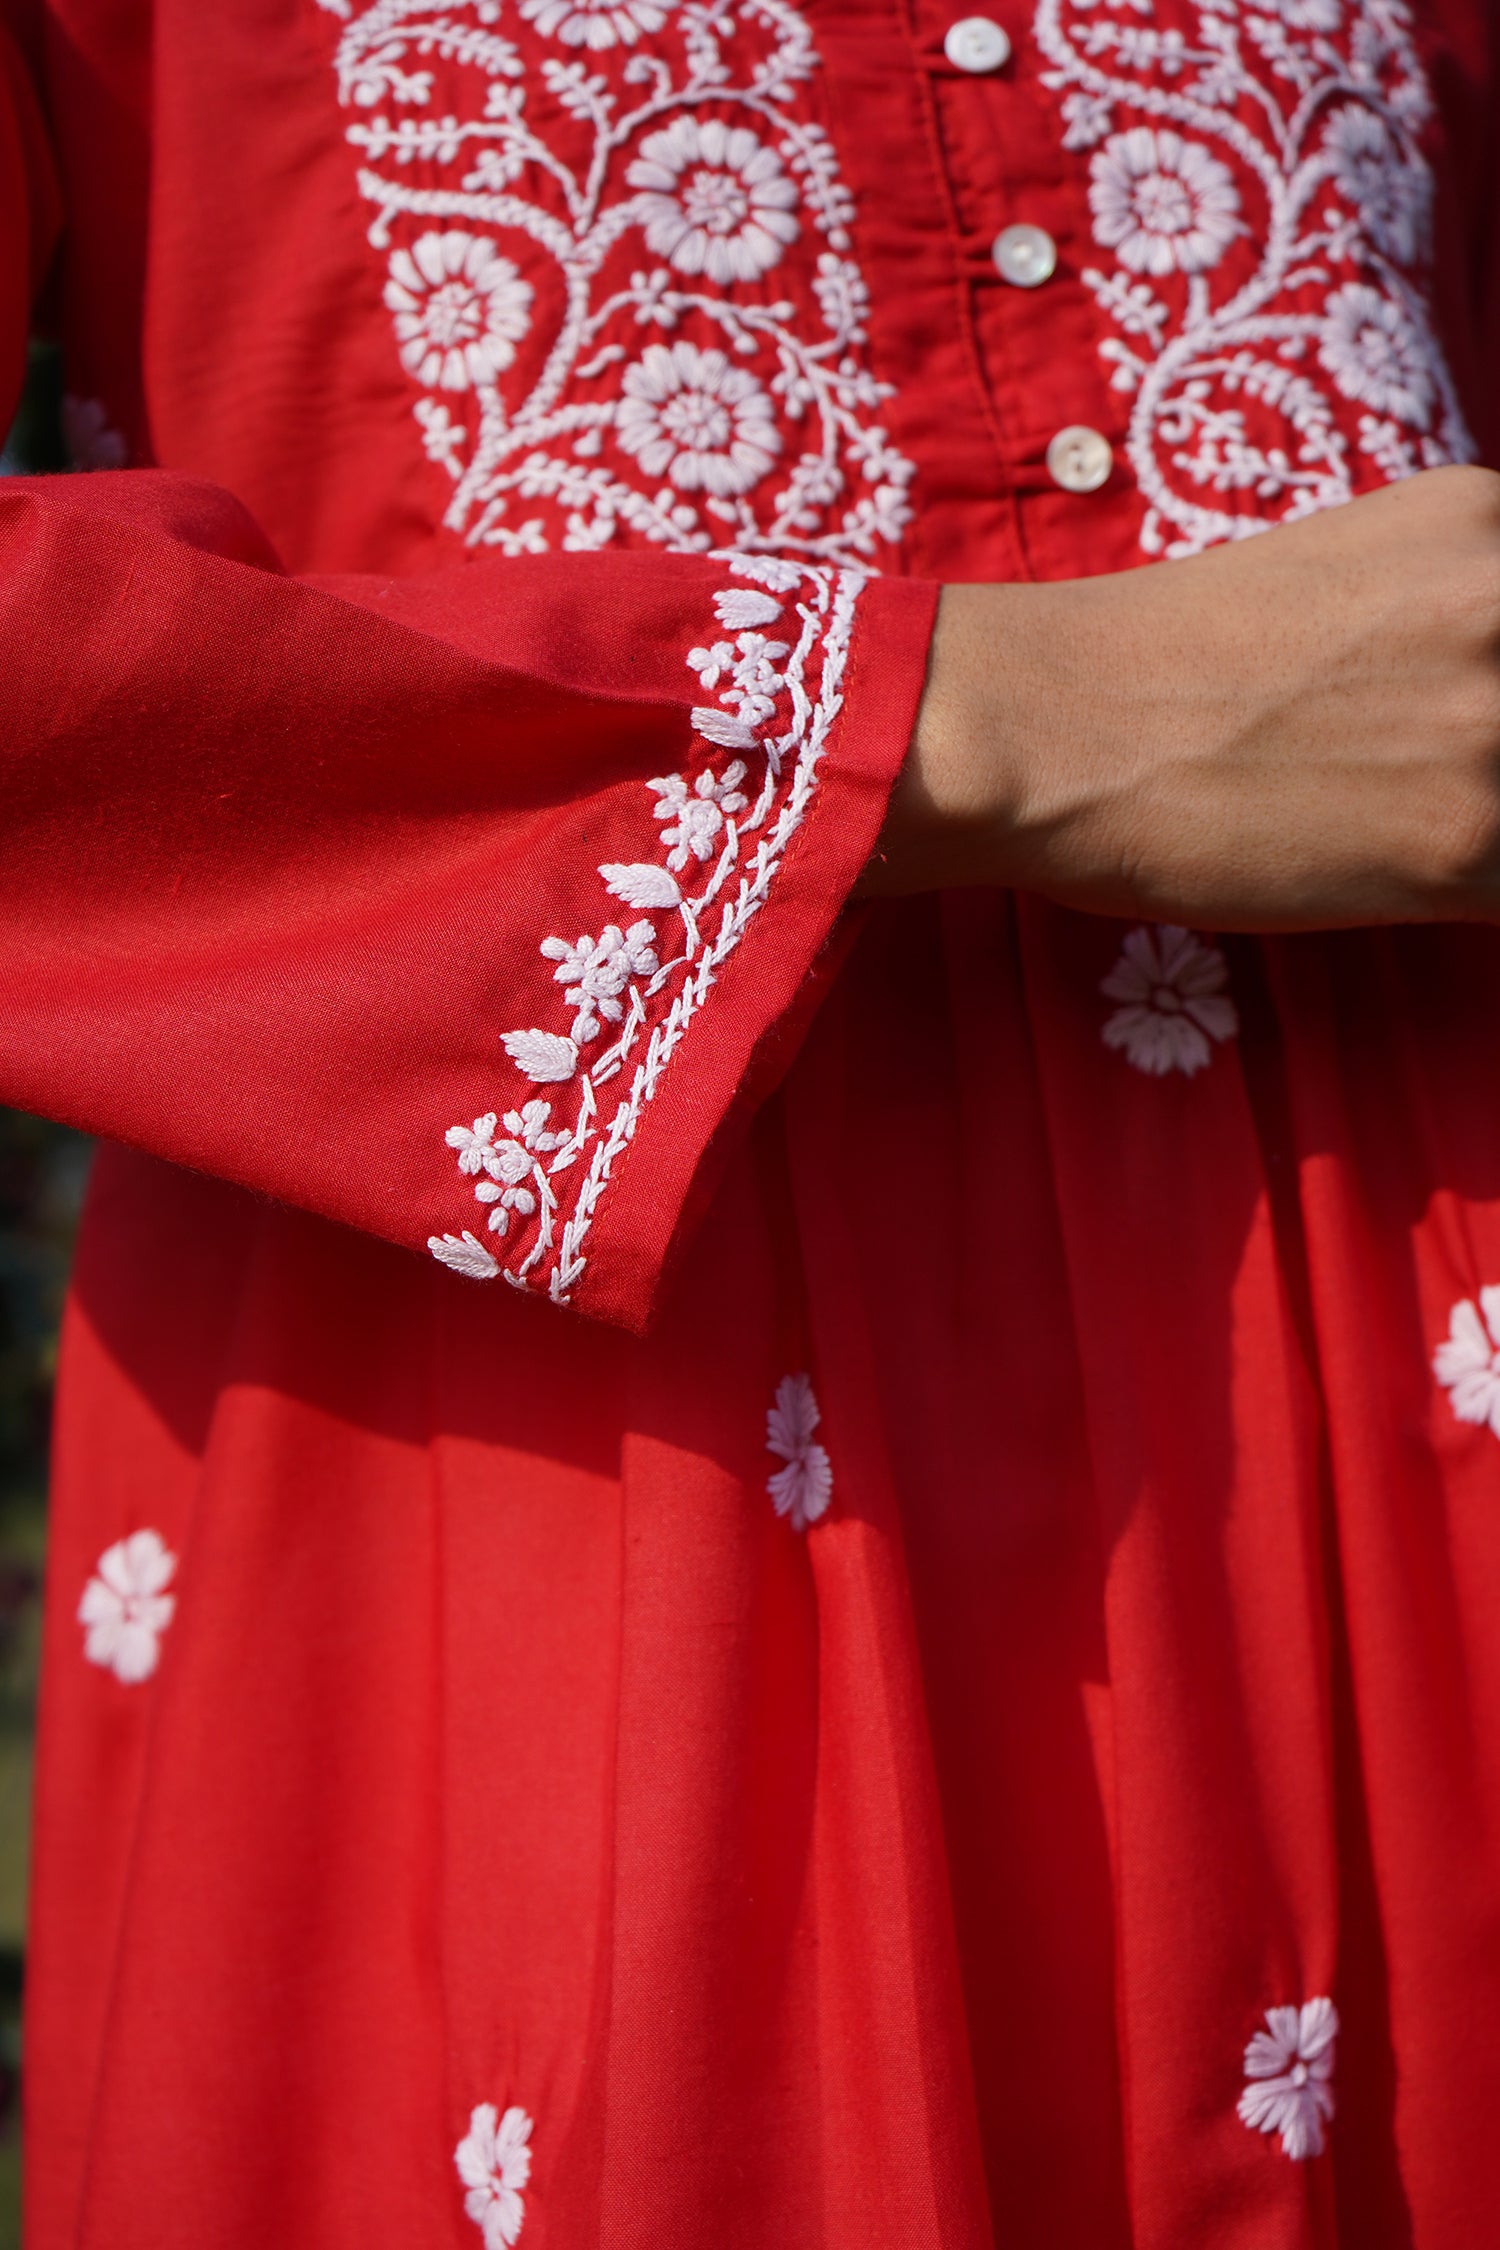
(961, 1709)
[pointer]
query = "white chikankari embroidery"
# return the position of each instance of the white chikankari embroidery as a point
(88, 439)
(1171, 986)
(1467, 1363)
(1289, 2066)
(802, 1490)
(125, 1609)
(494, 2164)
(634, 990)
(1162, 204)
(1257, 176)
(581, 245)
(717, 200)
(460, 310)
(597, 23)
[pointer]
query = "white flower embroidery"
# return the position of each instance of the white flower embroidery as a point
(1290, 2066)
(493, 2161)
(1172, 988)
(714, 199)
(1305, 115)
(598, 970)
(508, 1165)
(802, 1490)
(683, 131)
(1467, 1364)
(1161, 203)
(688, 415)
(1393, 197)
(460, 309)
(596, 23)
(126, 1608)
(88, 439)
(1309, 15)
(749, 664)
(696, 815)
(1374, 354)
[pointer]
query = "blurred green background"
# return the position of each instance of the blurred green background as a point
(42, 1171)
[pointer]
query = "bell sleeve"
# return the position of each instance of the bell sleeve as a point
(463, 908)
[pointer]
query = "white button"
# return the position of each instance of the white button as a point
(1024, 256)
(1080, 459)
(977, 43)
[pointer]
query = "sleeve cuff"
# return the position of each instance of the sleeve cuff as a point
(580, 1174)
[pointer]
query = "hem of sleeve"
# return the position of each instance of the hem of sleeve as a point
(652, 1187)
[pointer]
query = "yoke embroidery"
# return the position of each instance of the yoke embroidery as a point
(628, 996)
(620, 272)
(1256, 175)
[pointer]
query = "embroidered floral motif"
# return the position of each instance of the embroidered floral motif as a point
(1162, 204)
(580, 253)
(494, 2163)
(717, 200)
(125, 1609)
(1289, 2066)
(1257, 176)
(1467, 1363)
(1171, 986)
(802, 1490)
(460, 310)
(635, 989)
(596, 23)
(88, 439)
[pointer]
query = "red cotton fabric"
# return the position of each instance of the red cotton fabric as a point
(893, 1639)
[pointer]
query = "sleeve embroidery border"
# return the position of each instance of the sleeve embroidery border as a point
(543, 1166)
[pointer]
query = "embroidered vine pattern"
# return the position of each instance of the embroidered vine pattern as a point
(628, 994)
(1256, 177)
(581, 248)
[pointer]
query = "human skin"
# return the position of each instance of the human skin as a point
(1295, 731)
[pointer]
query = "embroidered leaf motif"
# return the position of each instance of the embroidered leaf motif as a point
(718, 726)
(465, 1254)
(802, 1490)
(546, 1058)
(641, 884)
(738, 607)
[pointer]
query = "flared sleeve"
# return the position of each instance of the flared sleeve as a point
(457, 908)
